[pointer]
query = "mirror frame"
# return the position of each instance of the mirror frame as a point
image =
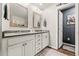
(11, 23)
(34, 20)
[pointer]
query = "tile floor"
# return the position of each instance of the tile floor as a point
(69, 48)
(50, 52)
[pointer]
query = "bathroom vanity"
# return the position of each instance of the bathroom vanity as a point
(22, 43)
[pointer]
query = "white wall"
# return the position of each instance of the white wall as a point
(52, 24)
(77, 29)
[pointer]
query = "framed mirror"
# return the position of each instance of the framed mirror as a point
(18, 15)
(36, 20)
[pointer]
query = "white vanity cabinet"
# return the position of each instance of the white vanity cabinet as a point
(23, 49)
(27, 48)
(45, 39)
(19, 46)
(25, 45)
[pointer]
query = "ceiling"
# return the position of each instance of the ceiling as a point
(42, 6)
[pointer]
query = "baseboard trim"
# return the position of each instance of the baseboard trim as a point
(71, 45)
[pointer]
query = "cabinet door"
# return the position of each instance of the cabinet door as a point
(16, 50)
(45, 40)
(29, 49)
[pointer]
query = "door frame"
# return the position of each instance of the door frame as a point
(59, 11)
(76, 24)
(1, 30)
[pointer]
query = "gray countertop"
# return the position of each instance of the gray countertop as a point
(14, 33)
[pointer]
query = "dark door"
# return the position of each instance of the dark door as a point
(69, 26)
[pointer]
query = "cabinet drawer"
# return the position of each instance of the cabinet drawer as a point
(38, 44)
(38, 49)
(38, 36)
(45, 36)
(19, 39)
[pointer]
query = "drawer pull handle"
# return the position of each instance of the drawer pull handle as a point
(38, 43)
(38, 35)
(25, 43)
(38, 39)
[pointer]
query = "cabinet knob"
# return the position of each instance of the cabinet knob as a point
(38, 43)
(46, 36)
(25, 43)
(38, 35)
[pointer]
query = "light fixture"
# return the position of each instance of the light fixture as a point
(40, 4)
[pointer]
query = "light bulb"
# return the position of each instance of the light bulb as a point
(41, 4)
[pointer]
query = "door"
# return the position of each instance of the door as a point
(29, 49)
(69, 26)
(16, 50)
(60, 20)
